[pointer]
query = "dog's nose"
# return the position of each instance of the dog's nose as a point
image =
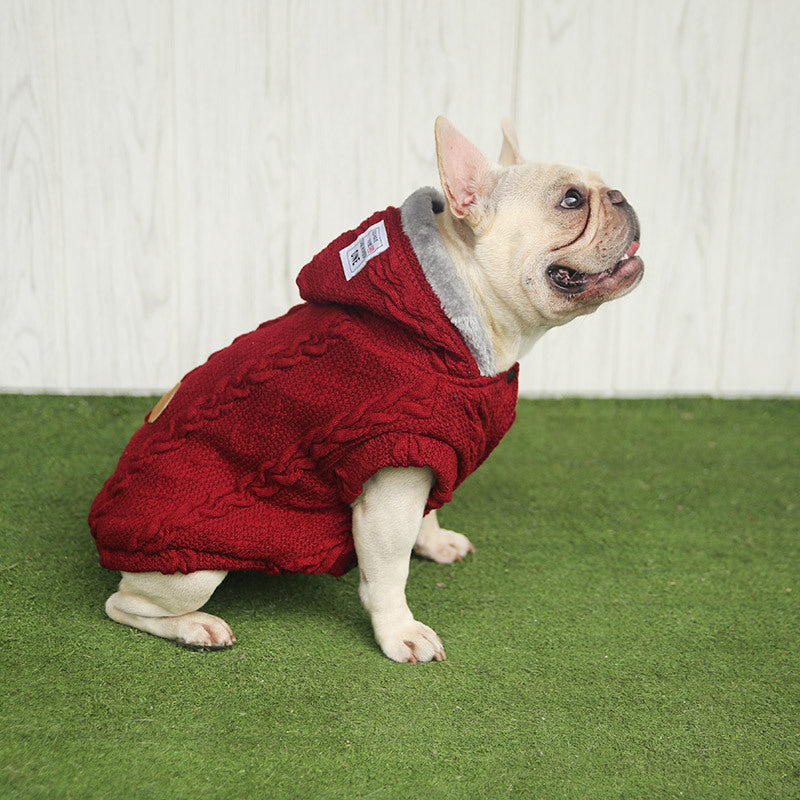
(616, 197)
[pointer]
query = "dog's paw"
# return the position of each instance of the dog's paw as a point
(411, 643)
(199, 631)
(443, 546)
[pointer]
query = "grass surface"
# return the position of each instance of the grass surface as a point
(628, 627)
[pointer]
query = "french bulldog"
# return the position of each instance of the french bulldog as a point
(471, 278)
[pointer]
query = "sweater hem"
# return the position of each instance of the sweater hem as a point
(168, 562)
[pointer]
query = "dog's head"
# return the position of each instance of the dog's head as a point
(552, 240)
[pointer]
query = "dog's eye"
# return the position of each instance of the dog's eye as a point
(572, 199)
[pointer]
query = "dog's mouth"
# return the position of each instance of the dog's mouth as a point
(571, 282)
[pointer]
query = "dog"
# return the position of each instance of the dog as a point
(329, 436)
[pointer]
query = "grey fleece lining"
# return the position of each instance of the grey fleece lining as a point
(417, 216)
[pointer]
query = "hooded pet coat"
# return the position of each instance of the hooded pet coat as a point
(253, 460)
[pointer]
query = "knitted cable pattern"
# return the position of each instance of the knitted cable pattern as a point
(254, 461)
(216, 404)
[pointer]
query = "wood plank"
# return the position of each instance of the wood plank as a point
(232, 181)
(761, 326)
(33, 317)
(644, 93)
(342, 155)
(575, 106)
(682, 146)
(116, 111)
(167, 168)
(453, 58)
(325, 149)
(381, 73)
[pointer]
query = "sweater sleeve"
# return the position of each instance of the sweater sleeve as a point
(361, 461)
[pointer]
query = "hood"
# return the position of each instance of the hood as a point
(395, 264)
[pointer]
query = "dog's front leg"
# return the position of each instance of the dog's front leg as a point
(439, 544)
(386, 522)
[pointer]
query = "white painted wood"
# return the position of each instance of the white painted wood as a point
(116, 111)
(168, 166)
(761, 326)
(651, 103)
(33, 311)
(340, 167)
(683, 144)
(379, 74)
(231, 112)
(575, 106)
(453, 58)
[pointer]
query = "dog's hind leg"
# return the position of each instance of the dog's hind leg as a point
(167, 606)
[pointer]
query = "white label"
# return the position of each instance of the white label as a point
(372, 242)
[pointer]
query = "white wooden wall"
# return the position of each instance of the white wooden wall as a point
(167, 166)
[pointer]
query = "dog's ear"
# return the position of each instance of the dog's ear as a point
(509, 154)
(467, 176)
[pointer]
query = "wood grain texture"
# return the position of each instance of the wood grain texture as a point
(652, 104)
(168, 166)
(453, 58)
(760, 331)
(231, 116)
(684, 148)
(575, 106)
(340, 167)
(115, 70)
(33, 311)
(381, 74)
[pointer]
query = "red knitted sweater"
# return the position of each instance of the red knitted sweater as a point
(254, 462)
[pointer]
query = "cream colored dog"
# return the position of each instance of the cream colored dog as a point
(536, 245)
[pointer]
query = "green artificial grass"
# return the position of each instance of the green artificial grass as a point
(628, 627)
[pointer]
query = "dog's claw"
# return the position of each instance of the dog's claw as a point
(202, 633)
(202, 648)
(414, 643)
(410, 646)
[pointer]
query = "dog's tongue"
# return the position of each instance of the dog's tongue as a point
(632, 250)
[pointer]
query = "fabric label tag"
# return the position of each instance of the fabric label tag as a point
(370, 244)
